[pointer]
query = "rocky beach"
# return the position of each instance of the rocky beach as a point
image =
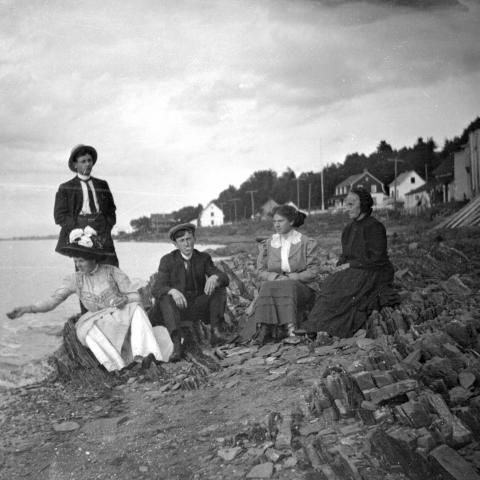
(399, 400)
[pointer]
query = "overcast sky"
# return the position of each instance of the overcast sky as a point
(183, 98)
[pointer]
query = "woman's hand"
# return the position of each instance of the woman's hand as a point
(19, 311)
(119, 302)
(341, 267)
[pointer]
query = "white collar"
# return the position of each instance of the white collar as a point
(293, 237)
(85, 178)
(186, 258)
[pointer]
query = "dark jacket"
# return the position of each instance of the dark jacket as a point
(68, 204)
(364, 245)
(172, 273)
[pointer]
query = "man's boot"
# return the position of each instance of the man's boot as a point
(177, 353)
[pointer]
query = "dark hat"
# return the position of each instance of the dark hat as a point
(81, 150)
(366, 200)
(182, 226)
(86, 245)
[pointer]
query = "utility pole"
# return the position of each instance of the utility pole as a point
(235, 200)
(395, 160)
(298, 193)
(323, 196)
(309, 197)
(426, 172)
(251, 192)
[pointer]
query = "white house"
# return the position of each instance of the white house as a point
(406, 182)
(211, 216)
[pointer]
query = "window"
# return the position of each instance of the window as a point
(373, 188)
(412, 179)
(212, 214)
(212, 223)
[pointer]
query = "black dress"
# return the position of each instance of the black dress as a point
(348, 297)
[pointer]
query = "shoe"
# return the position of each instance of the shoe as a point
(264, 334)
(177, 353)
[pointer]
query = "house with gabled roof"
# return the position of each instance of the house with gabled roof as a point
(365, 180)
(211, 216)
(404, 183)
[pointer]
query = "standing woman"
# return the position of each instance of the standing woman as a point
(288, 266)
(115, 327)
(364, 275)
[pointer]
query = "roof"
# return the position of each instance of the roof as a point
(350, 180)
(402, 177)
(423, 188)
(353, 178)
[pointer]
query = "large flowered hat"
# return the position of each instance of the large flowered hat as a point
(81, 150)
(85, 243)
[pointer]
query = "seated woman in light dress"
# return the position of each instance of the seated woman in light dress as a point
(288, 266)
(115, 328)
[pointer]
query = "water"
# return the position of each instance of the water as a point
(29, 271)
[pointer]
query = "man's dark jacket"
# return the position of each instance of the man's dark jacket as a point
(172, 273)
(68, 204)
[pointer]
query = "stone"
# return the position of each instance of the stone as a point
(255, 361)
(427, 442)
(394, 390)
(228, 454)
(284, 435)
(105, 427)
(290, 462)
(268, 350)
(416, 413)
(309, 428)
(263, 470)
(383, 378)
(364, 380)
(466, 379)
(351, 429)
(451, 463)
(325, 350)
(65, 426)
(459, 396)
(272, 455)
(309, 359)
(365, 343)
(460, 434)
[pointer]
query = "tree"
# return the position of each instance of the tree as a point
(141, 225)
(186, 214)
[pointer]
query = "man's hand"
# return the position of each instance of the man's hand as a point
(211, 284)
(178, 298)
(341, 267)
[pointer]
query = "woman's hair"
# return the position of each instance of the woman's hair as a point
(291, 214)
(366, 200)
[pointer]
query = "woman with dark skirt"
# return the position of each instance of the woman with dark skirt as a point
(364, 276)
(288, 266)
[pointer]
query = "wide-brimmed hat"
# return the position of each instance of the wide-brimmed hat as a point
(182, 226)
(82, 150)
(85, 243)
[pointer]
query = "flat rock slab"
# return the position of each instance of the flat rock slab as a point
(393, 390)
(325, 350)
(268, 350)
(453, 464)
(65, 426)
(263, 470)
(228, 454)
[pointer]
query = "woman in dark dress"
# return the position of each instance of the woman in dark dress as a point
(364, 276)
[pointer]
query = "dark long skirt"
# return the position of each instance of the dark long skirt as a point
(348, 297)
(279, 301)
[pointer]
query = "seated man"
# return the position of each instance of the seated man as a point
(188, 287)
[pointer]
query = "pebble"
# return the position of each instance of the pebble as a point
(228, 454)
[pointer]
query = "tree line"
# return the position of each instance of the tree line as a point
(305, 190)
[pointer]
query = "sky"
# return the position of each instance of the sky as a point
(182, 98)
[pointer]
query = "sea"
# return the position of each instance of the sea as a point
(30, 270)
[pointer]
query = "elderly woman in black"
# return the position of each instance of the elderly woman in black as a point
(288, 266)
(364, 274)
